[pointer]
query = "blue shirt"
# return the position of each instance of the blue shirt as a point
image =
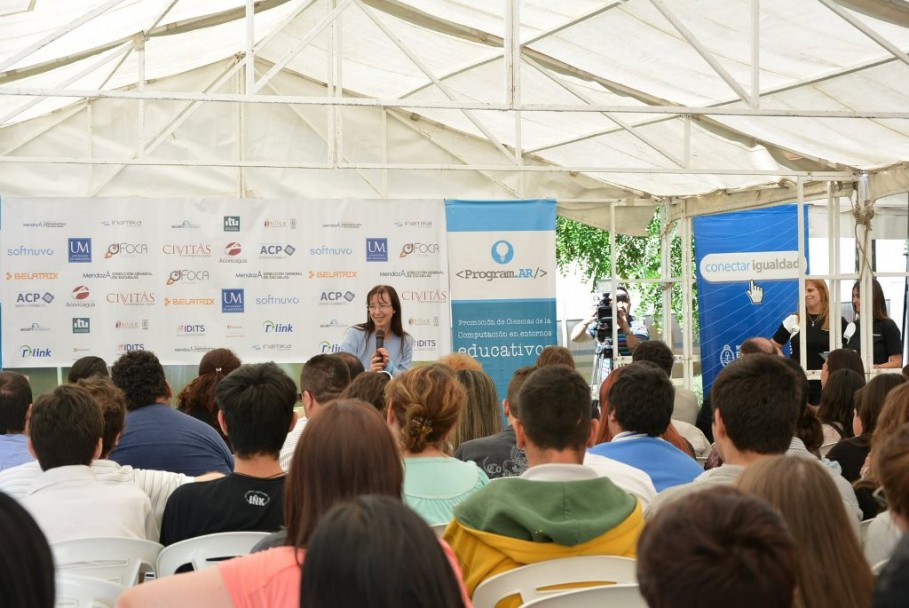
(666, 464)
(400, 352)
(162, 438)
(14, 450)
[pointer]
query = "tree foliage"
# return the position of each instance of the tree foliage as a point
(636, 258)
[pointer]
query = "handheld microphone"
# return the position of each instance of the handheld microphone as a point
(380, 338)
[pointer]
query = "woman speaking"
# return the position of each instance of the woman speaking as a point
(381, 344)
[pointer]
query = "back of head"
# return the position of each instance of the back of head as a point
(832, 570)
(892, 469)
(604, 433)
(481, 415)
(759, 345)
(426, 403)
(140, 376)
(345, 451)
(894, 415)
(459, 361)
(845, 358)
(258, 405)
(368, 387)
(838, 399)
(15, 397)
(353, 363)
(65, 427)
(555, 409)
(518, 378)
(112, 403)
(807, 426)
(26, 562)
(655, 351)
(758, 400)
(555, 355)
(871, 398)
(198, 397)
(325, 377)
(373, 551)
(718, 547)
(641, 400)
(86, 367)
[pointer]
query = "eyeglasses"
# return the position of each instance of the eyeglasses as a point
(373, 307)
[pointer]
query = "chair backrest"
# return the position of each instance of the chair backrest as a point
(85, 592)
(118, 560)
(876, 568)
(439, 529)
(530, 582)
(863, 529)
(623, 596)
(205, 551)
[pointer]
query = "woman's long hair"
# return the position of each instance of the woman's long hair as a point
(481, 416)
(824, 317)
(426, 403)
(837, 404)
(878, 301)
(198, 397)
(397, 326)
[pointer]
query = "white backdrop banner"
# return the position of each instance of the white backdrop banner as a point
(273, 280)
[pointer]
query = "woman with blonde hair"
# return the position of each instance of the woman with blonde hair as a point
(424, 405)
(482, 415)
(832, 571)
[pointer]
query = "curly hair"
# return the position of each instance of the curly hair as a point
(198, 397)
(426, 403)
(140, 376)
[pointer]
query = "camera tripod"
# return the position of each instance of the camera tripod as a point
(603, 356)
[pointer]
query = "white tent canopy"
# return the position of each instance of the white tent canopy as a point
(701, 104)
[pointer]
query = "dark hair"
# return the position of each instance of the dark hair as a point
(324, 377)
(26, 562)
(717, 547)
(642, 399)
(555, 408)
(112, 403)
(892, 466)
(368, 387)
(140, 376)
(759, 345)
(86, 367)
(807, 426)
(878, 301)
(258, 405)
(655, 351)
(838, 400)
(397, 327)
(426, 403)
(758, 400)
(604, 433)
(345, 451)
(353, 363)
(870, 399)
(845, 358)
(555, 355)
(65, 427)
(198, 397)
(512, 395)
(15, 397)
(481, 416)
(374, 551)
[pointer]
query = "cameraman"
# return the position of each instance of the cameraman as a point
(631, 332)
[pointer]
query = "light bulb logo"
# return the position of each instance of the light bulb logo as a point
(502, 252)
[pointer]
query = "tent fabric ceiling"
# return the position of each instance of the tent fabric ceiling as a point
(641, 101)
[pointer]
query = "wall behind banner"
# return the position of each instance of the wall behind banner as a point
(277, 280)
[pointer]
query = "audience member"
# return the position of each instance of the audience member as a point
(894, 414)
(354, 365)
(374, 551)
(869, 401)
(157, 485)
(841, 358)
(198, 397)
(345, 452)
(323, 378)
(555, 355)
(893, 470)
(837, 406)
(831, 570)
(66, 500)
(87, 367)
(368, 387)
(481, 416)
(717, 548)
(558, 507)
(15, 405)
(809, 434)
(26, 562)
(156, 435)
(255, 406)
(423, 408)
(499, 455)
(460, 361)
(685, 406)
(639, 408)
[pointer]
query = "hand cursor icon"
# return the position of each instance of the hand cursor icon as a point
(755, 292)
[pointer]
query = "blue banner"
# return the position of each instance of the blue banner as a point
(501, 257)
(747, 270)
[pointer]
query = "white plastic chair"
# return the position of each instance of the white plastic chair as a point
(206, 551)
(85, 592)
(530, 582)
(118, 560)
(876, 568)
(863, 529)
(439, 529)
(621, 596)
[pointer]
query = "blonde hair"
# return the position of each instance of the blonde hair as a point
(821, 286)
(460, 361)
(426, 403)
(481, 416)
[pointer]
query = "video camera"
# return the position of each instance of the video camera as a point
(604, 315)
